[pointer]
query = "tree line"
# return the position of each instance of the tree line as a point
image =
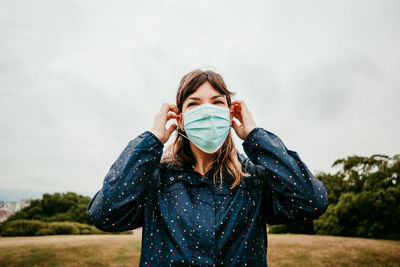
(363, 195)
(53, 214)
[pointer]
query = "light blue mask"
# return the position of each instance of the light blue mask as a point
(207, 126)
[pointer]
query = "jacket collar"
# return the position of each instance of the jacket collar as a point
(188, 175)
(241, 158)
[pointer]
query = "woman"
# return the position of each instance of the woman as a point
(201, 202)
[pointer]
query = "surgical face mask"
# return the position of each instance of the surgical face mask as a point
(207, 126)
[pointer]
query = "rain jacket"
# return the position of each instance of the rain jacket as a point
(189, 221)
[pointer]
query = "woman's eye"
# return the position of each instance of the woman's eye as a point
(217, 102)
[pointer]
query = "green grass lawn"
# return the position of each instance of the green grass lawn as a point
(124, 250)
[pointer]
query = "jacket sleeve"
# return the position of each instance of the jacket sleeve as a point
(291, 192)
(118, 205)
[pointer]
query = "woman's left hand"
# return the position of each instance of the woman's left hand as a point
(242, 113)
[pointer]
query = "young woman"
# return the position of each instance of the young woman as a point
(201, 202)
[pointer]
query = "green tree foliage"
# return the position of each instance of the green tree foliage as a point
(56, 207)
(367, 214)
(54, 214)
(359, 174)
(364, 196)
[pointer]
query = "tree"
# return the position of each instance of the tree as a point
(56, 207)
(363, 199)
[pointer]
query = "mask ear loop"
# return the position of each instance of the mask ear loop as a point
(183, 135)
(178, 128)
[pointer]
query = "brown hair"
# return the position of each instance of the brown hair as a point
(179, 152)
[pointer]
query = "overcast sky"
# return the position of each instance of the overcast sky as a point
(80, 79)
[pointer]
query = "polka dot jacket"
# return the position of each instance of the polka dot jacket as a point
(189, 221)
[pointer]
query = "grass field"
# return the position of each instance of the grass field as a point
(124, 250)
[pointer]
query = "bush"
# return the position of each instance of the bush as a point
(69, 207)
(86, 229)
(46, 231)
(367, 214)
(64, 228)
(22, 228)
(40, 228)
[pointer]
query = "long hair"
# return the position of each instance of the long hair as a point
(179, 153)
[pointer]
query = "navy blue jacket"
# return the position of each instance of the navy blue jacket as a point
(188, 222)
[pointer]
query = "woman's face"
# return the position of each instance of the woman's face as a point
(204, 94)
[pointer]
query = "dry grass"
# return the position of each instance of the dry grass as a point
(71, 250)
(124, 250)
(316, 250)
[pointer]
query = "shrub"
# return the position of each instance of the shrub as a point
(64, 228)
(22, 228)
(46, 231)
(40, 228)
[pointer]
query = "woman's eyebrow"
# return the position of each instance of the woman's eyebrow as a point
(196, 98)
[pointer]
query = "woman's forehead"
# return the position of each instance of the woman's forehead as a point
(202, 97)
(205, 91)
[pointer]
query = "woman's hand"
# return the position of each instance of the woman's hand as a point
(161, 119)
(241, 112)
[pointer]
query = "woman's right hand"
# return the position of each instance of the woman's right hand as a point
(161, 119)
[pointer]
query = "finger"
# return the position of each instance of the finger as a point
(246, 114)
(169, 107)
(238, 109)
(236, 106)
(172, 128)
(242, 111)
(236, 101)
(171, 116)
(173, 108)
(237, 114)
(235, 125)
